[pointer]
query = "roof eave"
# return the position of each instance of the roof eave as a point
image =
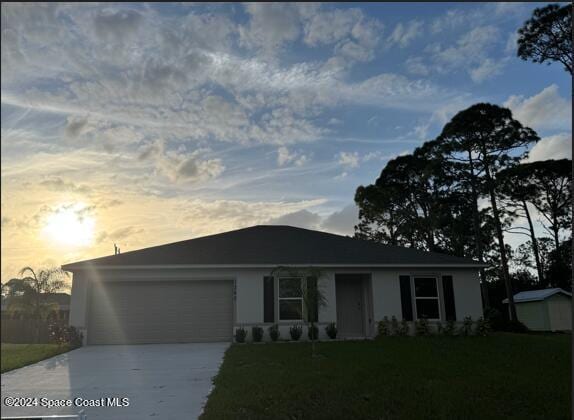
(86, 266)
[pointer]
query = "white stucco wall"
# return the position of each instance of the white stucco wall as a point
(248, 310)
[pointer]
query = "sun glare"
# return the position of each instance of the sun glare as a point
(69, 225)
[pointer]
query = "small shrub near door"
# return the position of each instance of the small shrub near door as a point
(295, 332)
(257, 334)
(274, 332)
(240, 334)
(312, 332)
(331, 330)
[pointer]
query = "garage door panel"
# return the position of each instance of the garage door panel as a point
(161, 312)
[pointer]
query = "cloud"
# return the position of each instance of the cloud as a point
(558, 146)
(416, 66)
(301, 218)
(117, 26)
(58, 184)
(349, 159)
(75, 126)
(343, 221)
(119, 235)
(284, 157)
(487, 70)
(404, 34)
(354, 35)
(180, 165)
(545, 110)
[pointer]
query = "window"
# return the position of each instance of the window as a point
(290, 299)
(426, 297)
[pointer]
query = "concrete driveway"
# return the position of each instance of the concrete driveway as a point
(161, 381)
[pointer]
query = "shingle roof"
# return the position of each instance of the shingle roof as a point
(536, 295)
(275, 245)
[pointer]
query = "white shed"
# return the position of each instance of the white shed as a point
(544, 310)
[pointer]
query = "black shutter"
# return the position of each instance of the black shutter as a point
(268, 299)
(448, 292)
(312, 313)
(406, 299)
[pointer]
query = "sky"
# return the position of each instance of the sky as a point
(142, 124)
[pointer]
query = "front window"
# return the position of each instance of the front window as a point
(426, 297)
(290, 299)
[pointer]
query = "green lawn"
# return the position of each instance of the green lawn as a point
(502, 376)
(15, 356)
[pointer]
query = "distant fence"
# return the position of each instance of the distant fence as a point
(27, 331)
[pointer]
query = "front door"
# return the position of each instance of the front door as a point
(350, 305)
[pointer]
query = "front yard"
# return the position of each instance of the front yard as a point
(502, 376)
(14, 356)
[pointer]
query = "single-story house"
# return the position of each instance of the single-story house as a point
(544, 310)
(61, 303)
(203, 289)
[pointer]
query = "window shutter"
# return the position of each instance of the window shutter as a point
(448, 291)
(406, 299)
(312, 313)
(268, 299)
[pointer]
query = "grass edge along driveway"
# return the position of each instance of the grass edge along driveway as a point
(14, 356)
(502, 376)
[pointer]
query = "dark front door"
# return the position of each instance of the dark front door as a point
(350, 305)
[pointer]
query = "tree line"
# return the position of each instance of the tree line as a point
(462, 191)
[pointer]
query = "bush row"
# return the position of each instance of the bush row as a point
(295, 332)
(63, 334)
(422, 327)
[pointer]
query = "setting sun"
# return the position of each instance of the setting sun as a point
(69, 225)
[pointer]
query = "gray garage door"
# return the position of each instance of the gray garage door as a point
(160, 312)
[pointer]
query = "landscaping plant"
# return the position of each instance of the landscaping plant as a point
(313, 332)
(450, 328)
(422, 327)
(257, 333)
(274, 332)
(403, 328)
(296, 331)
(466, 328)
(394, 325)
(240, 334)
(331, 330)
(384, 327)
(482, 327)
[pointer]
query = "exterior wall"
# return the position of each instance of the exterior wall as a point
(534, 315)
(559, 312)
(248, 306)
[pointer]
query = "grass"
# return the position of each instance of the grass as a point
(502, 376)
(14, 356)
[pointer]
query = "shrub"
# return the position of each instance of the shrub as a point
(450, 328)
(422, 327)
(466, 327)
(439, 328)
(296, 331)
(331, 330)
(274, 332)
(482, 327)
(498, 322)
(240, 334)
(394, 325)
(403, 328)
(384, 326)
(257, 333)
(312, 332)
(63, 334)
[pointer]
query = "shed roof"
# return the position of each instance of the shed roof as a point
(275, 245)
(537, 295)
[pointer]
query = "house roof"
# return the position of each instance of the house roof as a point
(536, 295)
(274, 245)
